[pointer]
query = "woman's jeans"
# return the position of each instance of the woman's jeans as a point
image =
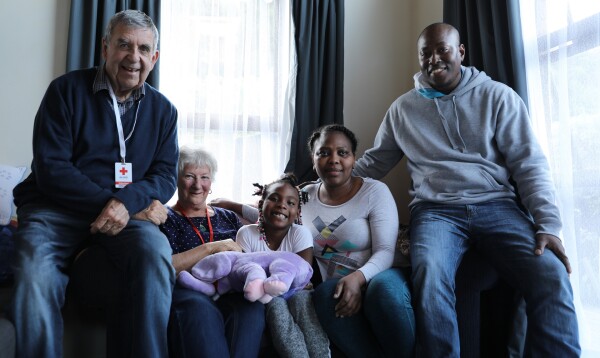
(200, 327)
(384, 326)
(46, 240)
(503, 235)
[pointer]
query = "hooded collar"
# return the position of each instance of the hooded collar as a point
(470, 77)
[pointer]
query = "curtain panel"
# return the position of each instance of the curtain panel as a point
(491, 33)
(562, 45)
(230, 69)
(87, 22)
(319, 36)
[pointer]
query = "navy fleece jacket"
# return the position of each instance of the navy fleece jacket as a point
(76, 145)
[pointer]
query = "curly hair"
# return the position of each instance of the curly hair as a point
(197, 157)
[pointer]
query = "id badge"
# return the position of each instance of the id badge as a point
(123, 174)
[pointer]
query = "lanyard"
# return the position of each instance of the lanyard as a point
(122, 148)
(122, 139)
(210, 229)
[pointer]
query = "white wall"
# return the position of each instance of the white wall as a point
(380, 59)
(33, 41)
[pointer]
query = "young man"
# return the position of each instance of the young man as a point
(104, 157)
(466, 137)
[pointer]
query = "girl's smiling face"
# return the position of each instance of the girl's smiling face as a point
(280, 206)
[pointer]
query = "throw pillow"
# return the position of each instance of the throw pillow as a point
(402, 255)
(9, 178)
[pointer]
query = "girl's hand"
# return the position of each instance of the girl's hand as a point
(349, 293)
(223, 245)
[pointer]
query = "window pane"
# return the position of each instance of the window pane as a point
(226, 66)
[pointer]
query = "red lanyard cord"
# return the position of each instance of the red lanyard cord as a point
(210, 229)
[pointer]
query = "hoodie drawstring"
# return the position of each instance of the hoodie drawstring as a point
(453, 135)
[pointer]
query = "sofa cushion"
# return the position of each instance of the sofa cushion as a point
(7, 249)
(7, 338)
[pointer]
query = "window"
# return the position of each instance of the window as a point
(562, 47)
(228, 66)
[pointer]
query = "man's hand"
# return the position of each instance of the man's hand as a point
(113, 218)
(156, 213)
(553, 243)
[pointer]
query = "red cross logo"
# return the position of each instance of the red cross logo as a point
(123, 171)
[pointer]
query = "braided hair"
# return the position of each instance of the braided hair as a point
(262, 190)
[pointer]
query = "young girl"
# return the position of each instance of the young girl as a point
(294, 327)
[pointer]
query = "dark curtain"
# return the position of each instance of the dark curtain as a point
(87, 23)
(319, 36)
(491, 33)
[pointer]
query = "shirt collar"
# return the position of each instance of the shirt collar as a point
(101, 83)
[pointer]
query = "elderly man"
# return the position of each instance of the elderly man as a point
(104, 158)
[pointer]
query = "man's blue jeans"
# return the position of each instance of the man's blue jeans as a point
(200, 327)
(504, 235)
(385, 325)
(46, 240)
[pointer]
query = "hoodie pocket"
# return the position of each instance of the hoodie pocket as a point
(444, 186)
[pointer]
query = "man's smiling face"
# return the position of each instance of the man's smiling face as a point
(130, 56)
(440, 57)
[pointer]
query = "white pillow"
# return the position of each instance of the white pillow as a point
(9, 178)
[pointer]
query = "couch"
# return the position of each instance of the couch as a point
(7, 339)
(486, 307)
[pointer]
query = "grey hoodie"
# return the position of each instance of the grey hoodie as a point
(463, 147)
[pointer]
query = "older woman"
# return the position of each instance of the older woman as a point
(199, 326)
(363, 304)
